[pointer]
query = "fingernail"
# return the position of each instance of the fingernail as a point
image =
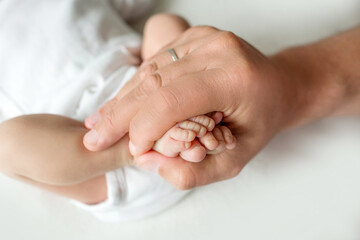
(187, 145)
(94, 118)
(132, 148)
(151, 166)
(91, 137)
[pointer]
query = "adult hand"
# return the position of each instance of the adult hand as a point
(216, 71)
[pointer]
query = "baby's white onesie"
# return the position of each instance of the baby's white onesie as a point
(68, 58)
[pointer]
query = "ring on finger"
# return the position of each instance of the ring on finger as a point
(173, 54)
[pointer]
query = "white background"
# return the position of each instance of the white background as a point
(304, 185)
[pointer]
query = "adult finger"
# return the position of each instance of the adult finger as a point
(191, 39)
(143, 71)
(162, 65)
(189, 96)
(186, 175)
(112, 120)
(183, 47)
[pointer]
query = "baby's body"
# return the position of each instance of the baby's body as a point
(46, 150)
(44, 137)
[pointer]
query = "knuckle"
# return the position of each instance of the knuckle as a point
(209, 29)
(147, 70)
(153, 82)
(231, 168)
(109, 119)
(140, 92)
(186, 179)
(108, 106)
(168, 101)
(201, 30)
(234, 171)
(229, 40)
(149, 85)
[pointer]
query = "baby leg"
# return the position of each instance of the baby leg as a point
(46, 151)
(91, 191)
(160, 30)
(194, 138)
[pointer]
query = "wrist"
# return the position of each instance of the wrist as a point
(313, 86)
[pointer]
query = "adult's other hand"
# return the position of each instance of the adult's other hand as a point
(216, 71)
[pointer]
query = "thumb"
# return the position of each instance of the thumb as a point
(174, 170)
(110, 123)
(186, 175)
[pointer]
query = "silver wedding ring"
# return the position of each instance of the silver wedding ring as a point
(173, 54)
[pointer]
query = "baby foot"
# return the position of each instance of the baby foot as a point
(222, 136)
(192, 139)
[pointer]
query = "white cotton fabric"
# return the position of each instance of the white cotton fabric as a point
(134, 193)
(69, 57)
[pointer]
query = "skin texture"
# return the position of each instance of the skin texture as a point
(259, 96)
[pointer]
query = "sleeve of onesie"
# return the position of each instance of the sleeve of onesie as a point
(133, 193)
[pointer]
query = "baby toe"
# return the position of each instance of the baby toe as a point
(169, 146)
(205, 121)
(232, 145)
(185, 135)
(196, 153)
(199, 129)
(209, 141)
(230, 140)
(227, 135)
(221, 140)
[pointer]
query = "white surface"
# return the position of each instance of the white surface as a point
(304, 185)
